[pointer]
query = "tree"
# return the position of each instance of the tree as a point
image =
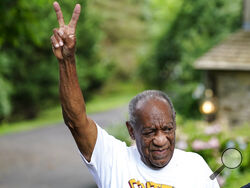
(197, 26)
(30, 73)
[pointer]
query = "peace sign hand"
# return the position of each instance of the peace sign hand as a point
(63, 40)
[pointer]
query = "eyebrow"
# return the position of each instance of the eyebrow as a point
(148, 128)
(169, 124)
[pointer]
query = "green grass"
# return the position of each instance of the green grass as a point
(54, 115)
(109, 98)
(242, 130)
(47, 117)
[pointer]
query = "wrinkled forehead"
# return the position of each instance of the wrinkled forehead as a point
(153, 110)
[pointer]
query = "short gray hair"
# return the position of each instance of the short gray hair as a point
(145, 95)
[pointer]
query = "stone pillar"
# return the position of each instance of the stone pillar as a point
(246, 15)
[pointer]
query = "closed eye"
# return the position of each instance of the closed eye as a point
(148, 132)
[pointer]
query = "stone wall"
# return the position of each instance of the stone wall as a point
(233, 94)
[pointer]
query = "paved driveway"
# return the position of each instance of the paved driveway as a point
(47, 157)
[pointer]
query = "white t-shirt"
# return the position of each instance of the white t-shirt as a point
(114, 165)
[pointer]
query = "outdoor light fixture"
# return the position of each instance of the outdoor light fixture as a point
(208, 105)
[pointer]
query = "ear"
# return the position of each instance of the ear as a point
(130, 130)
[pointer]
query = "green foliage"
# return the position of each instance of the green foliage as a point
(121, 133)
(125, 33)
(193, 28)
(5, 106)
(236, 179)
(29, 78)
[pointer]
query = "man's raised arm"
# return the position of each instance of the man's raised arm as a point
(63, 42)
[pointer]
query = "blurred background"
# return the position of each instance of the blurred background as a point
(197, 51)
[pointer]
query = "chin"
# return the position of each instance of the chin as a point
(159, 164)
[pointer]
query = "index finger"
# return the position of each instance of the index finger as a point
(58, 13)
(75, 16)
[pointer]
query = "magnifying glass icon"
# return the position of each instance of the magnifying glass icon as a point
(230, 158)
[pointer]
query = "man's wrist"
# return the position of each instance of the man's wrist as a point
(67, 59)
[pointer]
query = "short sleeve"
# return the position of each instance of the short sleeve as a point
(107, 151)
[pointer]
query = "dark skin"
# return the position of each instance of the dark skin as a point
(63, 42)
(154, 132)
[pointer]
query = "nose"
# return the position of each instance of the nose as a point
(160, 139)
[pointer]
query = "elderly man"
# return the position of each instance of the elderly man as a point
(154, 161)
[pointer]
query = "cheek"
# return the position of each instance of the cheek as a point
(171, 140)
(145, 144)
